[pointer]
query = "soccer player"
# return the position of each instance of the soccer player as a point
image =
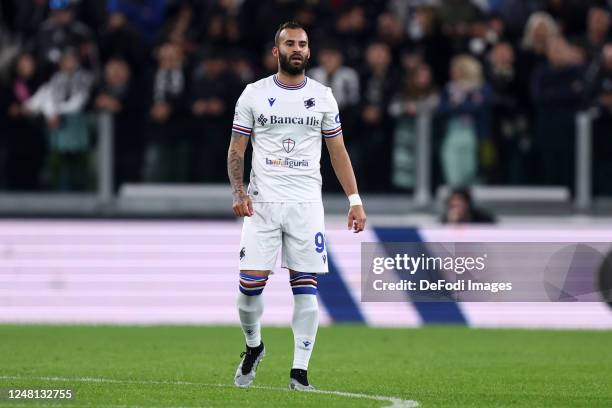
(285, 115)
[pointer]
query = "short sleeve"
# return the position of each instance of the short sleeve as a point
(243, 114)
(331, 126)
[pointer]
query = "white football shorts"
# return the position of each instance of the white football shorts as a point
(297, 228)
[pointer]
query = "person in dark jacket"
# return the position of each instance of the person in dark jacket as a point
(23, 133)
(378, 83)
(599, 96)
(119, 38)
(147, 16)
(557, 87)
(168, 152)
(119, 95)
(509, 120)
(597, 32)
(213, 92)
(62, 31)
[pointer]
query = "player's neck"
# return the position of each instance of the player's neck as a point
(290, 79)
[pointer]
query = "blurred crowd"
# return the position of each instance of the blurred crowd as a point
(502, 81)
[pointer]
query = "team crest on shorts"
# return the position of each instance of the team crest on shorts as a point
(288, 145)
(309, 103)
(242, 253)
(324, 257)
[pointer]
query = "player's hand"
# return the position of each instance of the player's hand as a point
(356, 218)
(243, 206)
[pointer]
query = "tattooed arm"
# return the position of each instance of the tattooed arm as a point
(235, 169)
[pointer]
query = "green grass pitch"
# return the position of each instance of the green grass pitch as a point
(193, 366)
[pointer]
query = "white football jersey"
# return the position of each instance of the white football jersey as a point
(286, 124)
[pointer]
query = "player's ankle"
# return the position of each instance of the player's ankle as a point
(256, 348)
(299, 375)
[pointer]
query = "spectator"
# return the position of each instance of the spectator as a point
(514, 13)
(119, 95)
(23, 132)
(167, 154)
(599, 92)
(317, 19)
(557, 88)
(61, 31)
(413, 32)
(214, 91)
(458, 18)
(353, 31)
(460, 209)
(378, 82)
(417, 96)
(178, 31)
(120, 39)
(62, 101)
(406, 11)
(599, 82)
(540, 28)
(485, 34)
(389, 30)
(509, 123)
(146, 15)
(465, 104)
(597, 33)
(429, 41)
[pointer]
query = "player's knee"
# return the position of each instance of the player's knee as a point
(252, 285)
(305, 306)
(303, 283)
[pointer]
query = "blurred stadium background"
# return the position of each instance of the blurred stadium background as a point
(115, 118)
(466, 120)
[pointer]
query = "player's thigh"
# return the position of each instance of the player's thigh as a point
(261, 239)
(304, 247)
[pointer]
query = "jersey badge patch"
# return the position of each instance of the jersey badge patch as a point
(309, 103)
(288, 145)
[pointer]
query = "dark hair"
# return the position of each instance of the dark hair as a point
(118, 58)
(462, 192)
(410, 87)
(291, 25)
(15, 63)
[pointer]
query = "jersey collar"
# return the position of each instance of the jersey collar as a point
(287, 86)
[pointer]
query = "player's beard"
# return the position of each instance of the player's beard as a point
(289, 68)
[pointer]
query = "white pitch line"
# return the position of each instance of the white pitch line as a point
(394, 401)
(63, 405)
